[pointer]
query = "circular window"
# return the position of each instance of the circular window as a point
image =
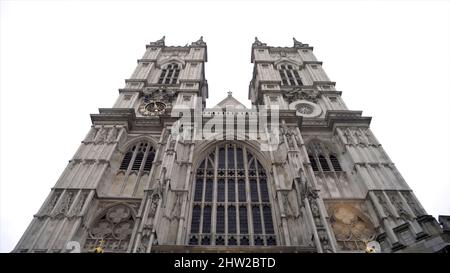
(306, 108)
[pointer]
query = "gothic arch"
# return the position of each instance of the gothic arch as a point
(161, 64)
(232, 197)
(206, 147)
(323, 155)
(319, 140)
(111, 229)
(133, 140)
(134, 167)
(285, 60)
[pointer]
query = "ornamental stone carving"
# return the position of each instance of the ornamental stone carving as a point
(112, 229)
(351, 227)
(306, 108)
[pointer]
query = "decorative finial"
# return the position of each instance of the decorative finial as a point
(258, 43)
(199, 42)
(297, 43)
(230, 93)
(160, 42)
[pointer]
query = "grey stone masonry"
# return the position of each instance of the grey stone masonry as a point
(149, 178)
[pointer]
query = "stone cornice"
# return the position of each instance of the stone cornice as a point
(332, 118)
(336, 117)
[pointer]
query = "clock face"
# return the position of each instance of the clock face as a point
(156, 107)
(153, 108)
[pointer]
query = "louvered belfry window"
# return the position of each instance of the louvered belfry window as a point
(231, 202)
(321, 159)
(138, 155)
(169, 74)
(289, 75)
(134, 169)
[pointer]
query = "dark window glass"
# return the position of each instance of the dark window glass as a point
(221, 158)
(198, 190)
(243, 222)
(335, 163)
(221, 190)
(232, 241)
(206, 240)
(271, 241)
(162, 76)
(324, 163)
(220, 241)
(313, 163)
(230, 157)
(206, 219)
(241, 190)
(209, 190)
(148, 161)
(283, 77)
(259, 241)
(193, 240)
(264, 191)
(254, 190)
(289, 75)
(126, 161)
(231, 219)
(220, 219)
(257, 228)
(195, 224)
(244, 241)
(239, 158)
(231, 190)
(231, 186)
(268, 224)
(137, 162)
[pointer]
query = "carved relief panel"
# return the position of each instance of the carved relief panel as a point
(112, 228)
(351, 225)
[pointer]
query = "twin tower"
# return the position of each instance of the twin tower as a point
(298, 172)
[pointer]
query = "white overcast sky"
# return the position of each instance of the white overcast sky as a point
(61, 61)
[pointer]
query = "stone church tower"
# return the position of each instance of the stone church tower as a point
(298, 172)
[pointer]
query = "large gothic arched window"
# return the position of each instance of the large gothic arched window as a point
(169, 74)
(231, 202)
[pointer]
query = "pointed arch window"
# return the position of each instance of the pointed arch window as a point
(136, 163)
(289, 75)
(231, 200)
(321, 160)
(169, 74)
(137, 154)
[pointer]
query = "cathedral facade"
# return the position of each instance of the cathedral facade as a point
(298, 172)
